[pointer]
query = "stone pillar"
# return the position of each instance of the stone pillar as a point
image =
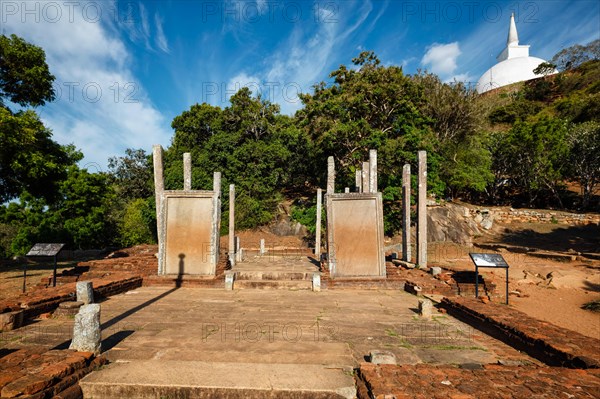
(85, 292)
(372, 171)
(187, 171)
(365, 177)
(318, 227)
(330, 175)
(238, 249)
(358, 180)
(86, 330)
(406, 244)
(217, 182)
(159, 188)
(262, 246)
(422, 210)
(231, 245)
(425, 308)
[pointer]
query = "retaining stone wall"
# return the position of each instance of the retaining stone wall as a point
(510, 215)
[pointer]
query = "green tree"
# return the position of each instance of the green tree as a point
(572, 57)
(584, 161)
(131, 174)
(457, 125)
(29, 159)
(367, 107)
(538, 153)
(250, 143)
(24, 75)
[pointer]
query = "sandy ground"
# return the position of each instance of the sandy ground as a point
(548, 290)
(11, 276)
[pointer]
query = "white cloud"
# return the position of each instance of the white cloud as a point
(101, 107)
(303, 58)
(441, 58)
(243, 80)
(161, 39)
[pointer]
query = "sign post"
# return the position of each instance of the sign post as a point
(488, 260)
(42, 249)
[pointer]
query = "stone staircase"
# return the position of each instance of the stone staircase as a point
(287, 272)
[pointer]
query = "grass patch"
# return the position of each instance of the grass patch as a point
(402, 342)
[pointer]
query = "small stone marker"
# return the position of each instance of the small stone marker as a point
(229, 281)
(316, 282)
(436, 270)
(85, 292)
(425, 308)
(382, 357)
(86, 330)
(262, 246)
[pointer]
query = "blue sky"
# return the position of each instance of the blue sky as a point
(124, 69)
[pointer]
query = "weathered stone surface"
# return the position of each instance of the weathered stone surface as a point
(448, 223)
(229, 276)
(318, 222)
(436, 270)
(330, 175)
(85, 292)
(382, 357)
(11, 320)
(422, 209)
(86, 330)
(187, 171)
(355, 235)
(425, 308)
(316, 282)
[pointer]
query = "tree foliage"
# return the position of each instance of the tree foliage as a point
(24, 75)
(574, 56)
(29, 159)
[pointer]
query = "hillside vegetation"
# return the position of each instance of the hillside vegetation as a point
(522, 145)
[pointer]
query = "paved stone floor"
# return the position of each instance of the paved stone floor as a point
(277, 326)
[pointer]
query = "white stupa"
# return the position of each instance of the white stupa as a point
(514, 64)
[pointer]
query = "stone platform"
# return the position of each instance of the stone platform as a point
(154, 332)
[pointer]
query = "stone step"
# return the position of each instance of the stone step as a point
(273, 284)
(276, 343)
(193, 379)
(272, 275)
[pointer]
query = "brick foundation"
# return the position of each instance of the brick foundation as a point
(490, 381)
(551, 344)
(37, 373)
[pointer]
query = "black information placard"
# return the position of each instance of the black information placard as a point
(42, 249)
(488, 260)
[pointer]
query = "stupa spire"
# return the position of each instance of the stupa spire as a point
(513, 37)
